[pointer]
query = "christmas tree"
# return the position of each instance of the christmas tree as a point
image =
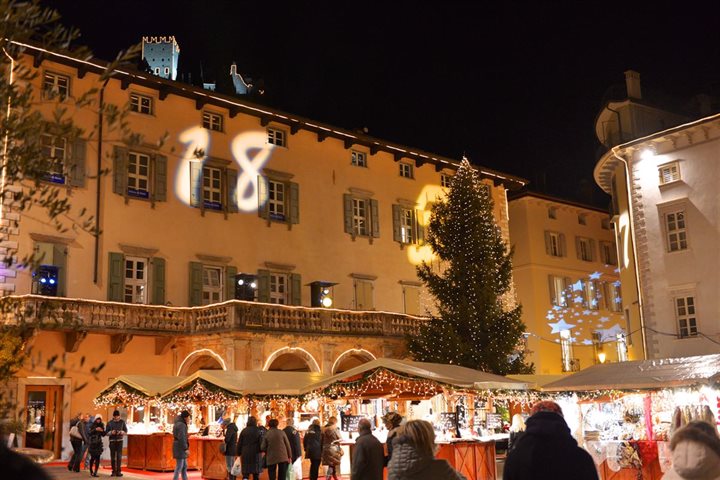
(476, 326)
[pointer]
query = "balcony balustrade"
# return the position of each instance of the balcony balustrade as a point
(69, 314)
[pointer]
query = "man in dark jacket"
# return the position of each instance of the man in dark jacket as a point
(548, 451)
(181, 445)
(231, 440)
(369, 457)
(116, 430)
(294, 438)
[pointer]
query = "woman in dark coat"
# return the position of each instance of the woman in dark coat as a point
(231, 441)
(331, 451)
(95, 445)
(249, 449)
(311, 444)
(413, 455)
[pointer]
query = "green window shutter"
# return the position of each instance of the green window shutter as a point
(116, 277)
(160, 187)
(420, 227)
(593, 257)
(158, 280)
(295, 289)
(196, 183)
(563, 245)
(263, 284)
(374, 213)
(551, 288)
(60, 260)
(230, 273)
(196, 283)
(348, 209)
(263, 207)
(120, 170)
(397, 220)
(232, 180)
(294, 202)
(578, 249)
(548, 243)
(76, 164)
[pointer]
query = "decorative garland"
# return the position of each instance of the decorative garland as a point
(200, 391)
(121, 394)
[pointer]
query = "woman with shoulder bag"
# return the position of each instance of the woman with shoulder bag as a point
(76, 440)
(331, 450)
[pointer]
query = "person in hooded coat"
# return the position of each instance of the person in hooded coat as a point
(249, 449)
(313, 452)
(695, 453)
(548, 451)
(413, 455)
(231, 444)
(181, 445)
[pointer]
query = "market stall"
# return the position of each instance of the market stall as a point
(149, 440)
(625, 413)
(460, 402)
(237, 394)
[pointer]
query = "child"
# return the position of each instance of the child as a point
(95, 449)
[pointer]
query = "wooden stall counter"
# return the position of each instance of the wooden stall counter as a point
(154, 452)
(474, 459)
(212, 463)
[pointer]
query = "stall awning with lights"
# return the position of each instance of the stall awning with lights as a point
(386, 377)
(135, 389)
(643, 375)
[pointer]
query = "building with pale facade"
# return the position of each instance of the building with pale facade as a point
(665, 211)
(223, 229)
(566, 279)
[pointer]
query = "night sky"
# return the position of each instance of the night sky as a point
(515, 87)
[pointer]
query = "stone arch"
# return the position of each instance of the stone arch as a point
(291, 359)
(351, 358)
(203, 359)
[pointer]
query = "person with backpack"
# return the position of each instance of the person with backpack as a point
(95, 444)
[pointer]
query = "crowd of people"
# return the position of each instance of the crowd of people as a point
(540, 448)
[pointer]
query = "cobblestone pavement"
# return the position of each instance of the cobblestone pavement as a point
(60, 472)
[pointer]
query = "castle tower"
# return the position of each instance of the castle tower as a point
(162, 54)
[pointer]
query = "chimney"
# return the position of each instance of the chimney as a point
(632, 83)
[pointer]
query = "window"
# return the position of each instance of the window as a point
(552, 213)
(613, 296)
(582, 219)
(212, 289)
(138, 175)
(167, 70)
(406, 229)
(54, 150)
(585, 249)
(411, 299)
(406, 170)
(569, 364)
(669, 173)
(213, 121)
(445, 180)
(358, 159)
(363, 290)
(56, 85)
(685, 314)
(591, 292)
(675, 231)
(212, 191)
(49, 277)
(157, 70)
(555, 244)
(279, 288)
(608, 255)
(136, 280)
(141, 103)
(276, 137)
(558, 290)
(276, 200)
(360, 216)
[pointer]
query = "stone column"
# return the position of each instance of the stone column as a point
(257, 354)
(242, 355)
(328, 358)
(229, 353)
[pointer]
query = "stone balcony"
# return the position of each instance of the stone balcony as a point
(80, 317)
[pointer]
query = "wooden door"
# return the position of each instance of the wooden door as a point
(43, 417)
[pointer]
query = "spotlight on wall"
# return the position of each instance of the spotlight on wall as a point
(647, 153)
(321, 294)
(245, 287)
(602, 356)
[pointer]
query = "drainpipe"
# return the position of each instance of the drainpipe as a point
(631, 222)
(99, 181)
(620, 130)
(6, 138)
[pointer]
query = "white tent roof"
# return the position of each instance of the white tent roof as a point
(642, 374)
(448, 374)
(245, 382)
(148, 385)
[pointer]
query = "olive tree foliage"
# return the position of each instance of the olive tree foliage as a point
(28, 118)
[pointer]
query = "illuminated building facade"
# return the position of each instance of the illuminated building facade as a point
(162, 55)
(565, 273)
(664, 207)
(218, 195)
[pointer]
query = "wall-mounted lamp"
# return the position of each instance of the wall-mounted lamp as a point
(321, 294)
(602, 357)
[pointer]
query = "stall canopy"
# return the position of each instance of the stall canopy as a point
(132, 389)
(450, 375)
(643, 374)
(251, 382)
